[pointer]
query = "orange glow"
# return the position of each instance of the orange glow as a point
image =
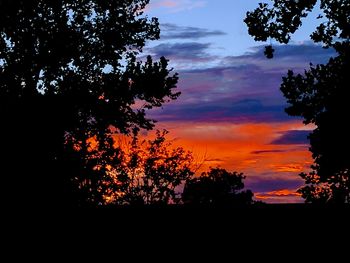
(242, 147)
(245, 148)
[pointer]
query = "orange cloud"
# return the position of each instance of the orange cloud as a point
(283, 192)
(297, 168)
(243, 147)
(246, 148)
(280, 196)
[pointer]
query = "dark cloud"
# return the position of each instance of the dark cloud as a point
(172, 31)
(245, 111)
(295, 57)
(307, 51)
(239, 89)
(268, 151)
(293, 137)
(291, 56)
(192, 51)
(266, 185)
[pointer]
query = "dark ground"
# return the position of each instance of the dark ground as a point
(171, 233)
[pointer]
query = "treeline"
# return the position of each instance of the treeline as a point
(152, 172)
(70, 79)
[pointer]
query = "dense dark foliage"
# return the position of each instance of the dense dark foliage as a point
(217, 187)
(321, 94)
(68, 73)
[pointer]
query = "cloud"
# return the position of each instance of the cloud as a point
(293, 137)
(244, 111)
(192, 51)
(262, 185)
(227, 94)
(276, 190)
(287, 168)
(239, 89)
(280, 196)
(287, 57)
(213, 162)
(172, 31)
(233, 111)
(253, 64)
(300, 52)
(283, 192)
(233, 146)
(267, 151)
(175, 6)
(292, 56)
(234, 142)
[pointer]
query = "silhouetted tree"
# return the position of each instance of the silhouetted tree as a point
(217, 187)
(321, 94)
(68, 72)
(146, 172)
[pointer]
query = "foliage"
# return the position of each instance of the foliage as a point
(217, 187)
(156, 170)
(134, 172)
(321, 94)
(68, 72)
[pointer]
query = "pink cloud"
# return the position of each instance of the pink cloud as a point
(176, 5)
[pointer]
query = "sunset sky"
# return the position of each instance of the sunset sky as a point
(231, 111)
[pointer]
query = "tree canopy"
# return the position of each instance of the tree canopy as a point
(321, 94)
(151, 172)
(69, 72)
(217, 187)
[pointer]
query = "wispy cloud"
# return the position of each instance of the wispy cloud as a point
(177, 5)
(173, 31)
(280, 196)
(219, 110)
(293, 137)
(233, 112)
(234, 147)
(240, 89)
(287, 168)
(267, 151)
(190, 51)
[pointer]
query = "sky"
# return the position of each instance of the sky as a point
(231, 111)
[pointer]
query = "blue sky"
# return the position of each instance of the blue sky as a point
(231, 111)
(224, 15)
